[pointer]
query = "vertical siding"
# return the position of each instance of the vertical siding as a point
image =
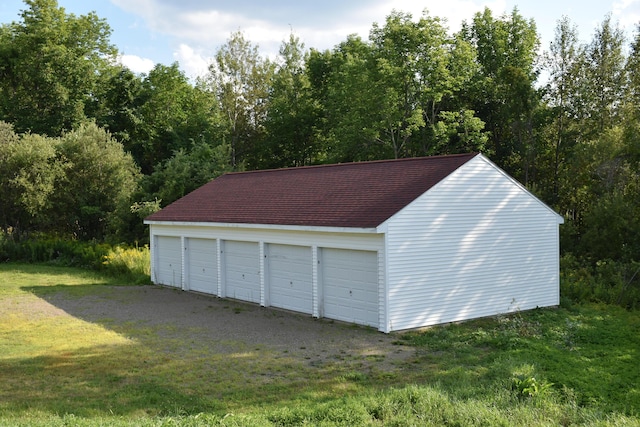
(182, 263)
(152, 259)
(265, 285)
(477, 244)
(314, 281)
(383, 324)
(220, 268)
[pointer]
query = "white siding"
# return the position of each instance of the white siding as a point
(476, 244)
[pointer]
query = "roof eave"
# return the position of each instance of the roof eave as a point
(312, 228)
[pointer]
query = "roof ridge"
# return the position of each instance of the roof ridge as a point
(365, 162)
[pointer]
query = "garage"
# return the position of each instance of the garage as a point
(393, 244)
(202, 265)
(350, 286)
(290, 276)
(168, 269)
(242, 270)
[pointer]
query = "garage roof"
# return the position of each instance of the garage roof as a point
(358, 195)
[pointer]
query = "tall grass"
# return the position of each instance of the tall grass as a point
(132, 262)
(123, 261)
(605, 281)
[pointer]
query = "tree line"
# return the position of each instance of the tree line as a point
(88, 148)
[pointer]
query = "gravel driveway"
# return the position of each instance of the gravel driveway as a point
(224, 325)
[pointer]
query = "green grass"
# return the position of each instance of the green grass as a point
(575, 366)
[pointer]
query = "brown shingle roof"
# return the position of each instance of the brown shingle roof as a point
(360, 195)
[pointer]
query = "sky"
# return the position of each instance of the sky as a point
(148, 32)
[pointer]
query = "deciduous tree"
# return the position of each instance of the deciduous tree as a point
(50, 62)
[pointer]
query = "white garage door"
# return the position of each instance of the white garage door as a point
(350, 286)
(202, 265)
(242, 268)
(168, 268)
(290, 277)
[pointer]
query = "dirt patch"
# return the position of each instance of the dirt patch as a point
(221, 325)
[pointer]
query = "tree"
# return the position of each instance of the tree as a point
(292, 115)
(116, 106)
(632, 71)
(29, 171)
(50, 62)
(604, 77)
(459, 132)
(609, 226)
(563, 65)
(240, 79)
(353, 105)
(184, 172)
(170, 115)
(99, 177)
(503, 95)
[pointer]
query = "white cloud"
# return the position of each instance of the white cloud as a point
(627, 12)
(192, 62)
(197, 28)
(136, 64)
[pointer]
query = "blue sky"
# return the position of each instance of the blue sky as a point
(148, 32)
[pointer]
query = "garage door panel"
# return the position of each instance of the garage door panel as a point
(350, 285)
(242, 262)
(169, 261)
(202, 265)
(290, 277)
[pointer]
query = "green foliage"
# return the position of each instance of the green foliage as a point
(43, 249)
(411, 89)
(459, 132)
(529, 387)
(605, 281)
(171, 114)
(29, 171)
(99, 178)
(120, 261)
(50, 62)
(184, 172)
(503, 93)
(128, 262)
(240, 80)
(293, 116)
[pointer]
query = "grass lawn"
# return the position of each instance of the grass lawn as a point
(567, 366)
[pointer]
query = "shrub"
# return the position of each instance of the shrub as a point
(127, 261)
(130, 263)
(528, 387)
(607, 281)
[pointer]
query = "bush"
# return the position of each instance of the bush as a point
(130, 263)
(606, 281)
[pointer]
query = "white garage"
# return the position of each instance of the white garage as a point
(290, 277)
(168, 261)
(201, 265)
(242, 270)
(350, 286)
(393, 244)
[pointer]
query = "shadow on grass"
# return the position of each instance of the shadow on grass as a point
(90, 382)
(158, 351)
(149, 350)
